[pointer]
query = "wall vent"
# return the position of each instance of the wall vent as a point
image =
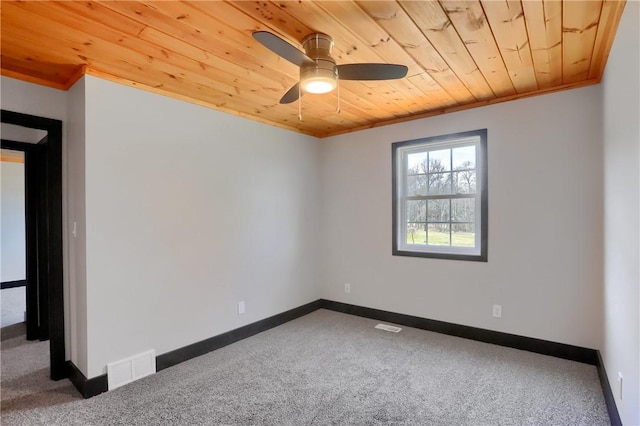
(390, 328)
(127, 370)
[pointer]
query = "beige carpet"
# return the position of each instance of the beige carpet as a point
(327, 368)
(25, 383)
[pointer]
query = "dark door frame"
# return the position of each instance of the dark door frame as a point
(43, 187)
(36, 304)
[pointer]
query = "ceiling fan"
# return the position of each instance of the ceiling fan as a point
(319, 72)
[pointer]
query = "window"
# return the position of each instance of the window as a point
(440, 197)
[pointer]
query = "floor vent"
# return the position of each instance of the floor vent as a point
(125, 371)
(390, 328)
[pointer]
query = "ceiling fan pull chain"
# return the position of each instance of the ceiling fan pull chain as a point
(299, 104)
(338, 86)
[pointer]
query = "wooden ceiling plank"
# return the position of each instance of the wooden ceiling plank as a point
(203, 52)
(508, 25)
(273, 17)
(147, 15)
(436, 26)
(211, 39)
(214, 63)
(435, 96)
(544, 27)
(60, 11)
(367, 29)
(390, 16)
(127, 68)
(470, 22)
(231, 71)
(23, 57)
(217, 23)
(608, 23)
(579, 28)
(22, 50)
(198, 16)
(98, 12)
(50, 75)
(147, 57)
(428, 85)
(364, 30)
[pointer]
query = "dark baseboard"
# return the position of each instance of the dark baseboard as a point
(609, 399)
(545, 347)
(185, 353)
(87, 387)
(13, 284)
(97, 385)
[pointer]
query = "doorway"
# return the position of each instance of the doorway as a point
(43, 211)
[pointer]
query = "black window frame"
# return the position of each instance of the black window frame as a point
(482, 176)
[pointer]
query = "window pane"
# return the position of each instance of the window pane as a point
(463, 235)
(440, 183)
(417, 163)
(417, 185)
(464, 157)
(438, 211)
(438, 234)
(463, 210)
(439, 161)
(416, 233)
(440, 196)
(416, 211)
(464, 182)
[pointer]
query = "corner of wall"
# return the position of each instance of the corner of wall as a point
(75, 223)
(621, 136)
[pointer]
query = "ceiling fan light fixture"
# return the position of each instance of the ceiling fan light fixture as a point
(321, 75)
(318, 80)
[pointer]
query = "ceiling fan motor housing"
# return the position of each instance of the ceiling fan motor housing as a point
(321, 75)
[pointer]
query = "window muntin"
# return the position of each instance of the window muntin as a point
(440, 197)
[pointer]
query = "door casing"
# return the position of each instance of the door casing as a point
(43, 208)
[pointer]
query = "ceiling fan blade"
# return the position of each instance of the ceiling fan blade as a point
(281, 47)
(292, 94)
(371, 71)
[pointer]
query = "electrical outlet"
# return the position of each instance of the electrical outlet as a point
(620, 383)
(497, 311)
(347, 288)
(241, 307)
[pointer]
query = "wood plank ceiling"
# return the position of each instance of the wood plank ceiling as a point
(460, 54)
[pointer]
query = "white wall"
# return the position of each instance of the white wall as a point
(14, 266)
(621, 349)
(28, 98)
(188, 211)
(545, 221)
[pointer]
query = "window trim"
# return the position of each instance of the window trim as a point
(482, 175)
